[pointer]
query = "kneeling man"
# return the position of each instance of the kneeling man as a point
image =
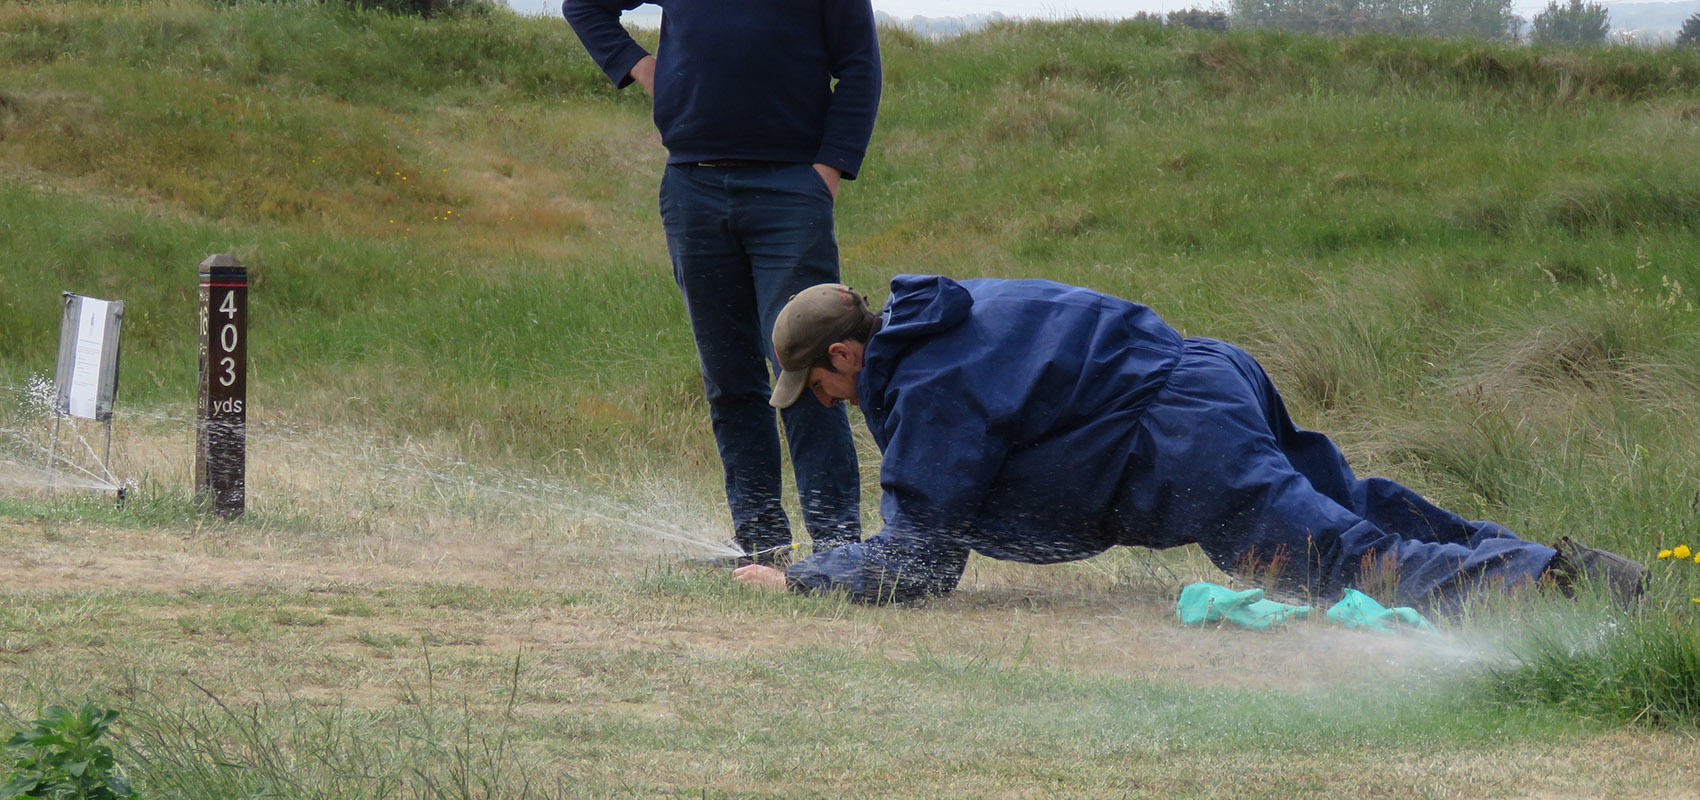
(1037, 422)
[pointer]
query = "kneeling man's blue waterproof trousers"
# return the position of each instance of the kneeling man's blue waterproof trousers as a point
(1223, 466)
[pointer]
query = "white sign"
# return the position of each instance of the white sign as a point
(88, 356)
(85, 370)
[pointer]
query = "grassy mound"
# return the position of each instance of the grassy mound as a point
(1473, 265)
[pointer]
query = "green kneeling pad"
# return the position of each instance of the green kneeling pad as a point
(1203, 603)
(1206, 602)
(1359, 610)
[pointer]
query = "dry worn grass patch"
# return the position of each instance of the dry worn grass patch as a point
(374, 577)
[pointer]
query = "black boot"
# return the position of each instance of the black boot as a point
(777, 557)
(1575, 564)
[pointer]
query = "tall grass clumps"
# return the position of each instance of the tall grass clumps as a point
(1640, 666)
(1642, 670)
(467, 246)
(296, 749)
(265, 110)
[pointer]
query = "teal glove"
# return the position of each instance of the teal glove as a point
(1207, 602)
(1359, 610)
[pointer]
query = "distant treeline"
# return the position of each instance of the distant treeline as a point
(1573, 22)
(1481, 19)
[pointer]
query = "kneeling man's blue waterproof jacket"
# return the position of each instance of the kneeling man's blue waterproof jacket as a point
(1032, 421)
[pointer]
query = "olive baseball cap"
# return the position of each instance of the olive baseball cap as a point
(811, 322)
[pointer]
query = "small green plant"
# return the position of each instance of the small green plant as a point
(59, 757)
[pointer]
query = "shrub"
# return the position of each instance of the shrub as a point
(1690, 33)
(1200, 19)
(1578, 23)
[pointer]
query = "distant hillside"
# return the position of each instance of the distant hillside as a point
(1651, 21)
(939, 27)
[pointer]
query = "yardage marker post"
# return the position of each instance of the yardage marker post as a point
(221, 430)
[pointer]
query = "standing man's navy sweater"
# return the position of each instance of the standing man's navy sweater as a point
(764, 90)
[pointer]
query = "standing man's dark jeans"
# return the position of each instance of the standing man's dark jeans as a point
(744, 238)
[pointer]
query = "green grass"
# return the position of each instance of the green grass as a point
(404, 716)
(971, 714)
(1635, 669)
(1474, 265)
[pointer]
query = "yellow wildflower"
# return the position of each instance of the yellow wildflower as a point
(1662, 553)
(1681, 551)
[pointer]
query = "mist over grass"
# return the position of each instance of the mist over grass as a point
(1473, 265)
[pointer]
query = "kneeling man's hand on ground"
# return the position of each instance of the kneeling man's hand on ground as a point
(759, 575)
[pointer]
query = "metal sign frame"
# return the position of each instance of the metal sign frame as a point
(86, 378)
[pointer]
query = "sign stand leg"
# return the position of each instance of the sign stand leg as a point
(106, 455)
(53, 448)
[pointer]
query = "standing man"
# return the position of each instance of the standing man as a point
(763, 106)
(1036, 422)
